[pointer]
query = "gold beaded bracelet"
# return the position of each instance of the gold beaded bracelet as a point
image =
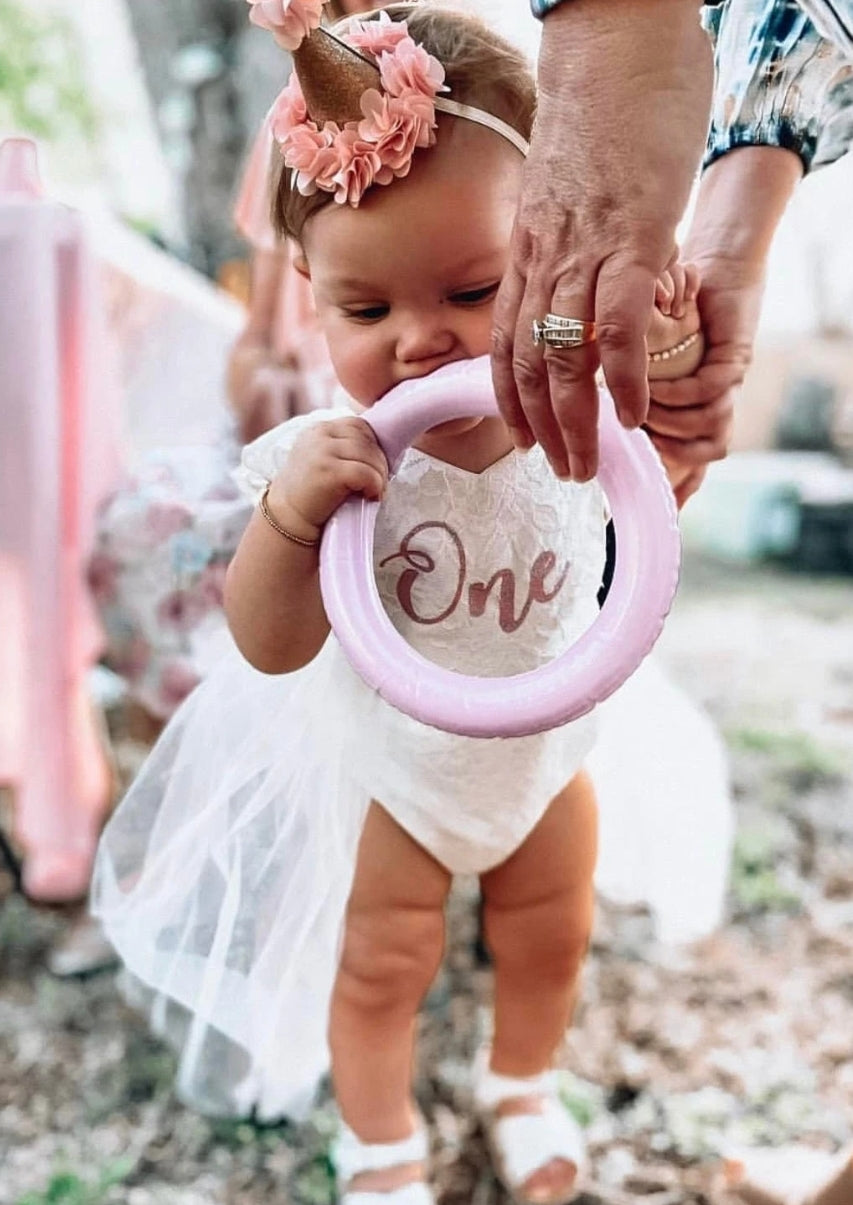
(282, 531)
(669, 352)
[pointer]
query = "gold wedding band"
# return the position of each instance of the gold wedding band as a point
(556, 331)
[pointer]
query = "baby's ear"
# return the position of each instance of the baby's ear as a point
(300, 263)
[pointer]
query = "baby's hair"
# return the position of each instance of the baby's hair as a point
(481, 69)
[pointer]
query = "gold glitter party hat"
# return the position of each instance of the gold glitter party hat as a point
(333, 78)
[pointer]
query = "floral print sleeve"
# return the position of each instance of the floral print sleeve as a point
(784, 76)
(781, 82)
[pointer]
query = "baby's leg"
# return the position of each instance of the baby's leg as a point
(538, 915)
(393, 943)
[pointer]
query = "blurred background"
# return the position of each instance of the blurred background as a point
(716, 1007)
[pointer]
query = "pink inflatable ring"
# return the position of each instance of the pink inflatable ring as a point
(629, 623)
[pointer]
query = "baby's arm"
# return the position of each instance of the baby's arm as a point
(675, 341)
(272, 591)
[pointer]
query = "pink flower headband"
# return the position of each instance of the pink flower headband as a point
(396, 119)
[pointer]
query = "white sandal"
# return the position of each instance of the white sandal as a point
(351, 1157)
(523, 1143)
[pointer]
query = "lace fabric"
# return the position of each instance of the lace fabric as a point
(222, 880)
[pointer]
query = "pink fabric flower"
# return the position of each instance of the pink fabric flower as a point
(408, 68)
(377, 36)
(393, 129)
(289, 109)
(358, 166)
(422, 111)
(396, 120)
(313, 156)
(290, 21)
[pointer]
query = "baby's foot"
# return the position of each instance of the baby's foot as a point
(675, 341)
(394, 1171)
(554, 1180)
(537, 1147)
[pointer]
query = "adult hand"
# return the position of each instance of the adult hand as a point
(741, 200)
(625, 90)
(690, 420)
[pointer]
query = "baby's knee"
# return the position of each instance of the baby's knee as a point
(390, 958)
(548, 940)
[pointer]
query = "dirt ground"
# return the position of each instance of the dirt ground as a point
(677, 1055)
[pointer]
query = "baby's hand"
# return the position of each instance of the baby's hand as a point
(675, 341)
(327, 463)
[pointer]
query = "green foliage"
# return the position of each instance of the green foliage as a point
(242, 1132)
(580, 1098)
(315, 1184)
(42, 91)
(792, 753)
(67, 1188)
(755, 880)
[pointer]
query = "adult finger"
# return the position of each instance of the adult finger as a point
(574, 401)
(507, 306)
(554, 383)
(691, 453)
(708, 383)
(688, 486)
(691, 422)
(623, 306)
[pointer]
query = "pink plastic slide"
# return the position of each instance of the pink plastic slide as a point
(58, 459)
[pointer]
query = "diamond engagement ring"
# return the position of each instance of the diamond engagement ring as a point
(556, 331)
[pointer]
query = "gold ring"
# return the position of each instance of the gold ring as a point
(556, 331)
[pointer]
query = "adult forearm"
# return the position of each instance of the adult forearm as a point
(623, 76)
(741, 200)
(624, 100)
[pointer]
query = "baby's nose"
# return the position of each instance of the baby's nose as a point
(424, 338)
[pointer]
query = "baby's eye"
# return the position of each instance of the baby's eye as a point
(475, 296)
(366, 313)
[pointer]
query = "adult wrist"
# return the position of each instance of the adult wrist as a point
(625, 37)
(541, 8)
(742, 197)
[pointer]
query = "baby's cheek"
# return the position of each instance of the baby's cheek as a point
(356, 366)
(480, 337)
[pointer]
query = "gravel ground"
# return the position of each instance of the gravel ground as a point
(676, 1057)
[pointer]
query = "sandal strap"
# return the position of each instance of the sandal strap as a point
(529, 1141)
(491, 1089)
(410, 1194)
(525, 1142)
(351, 1156)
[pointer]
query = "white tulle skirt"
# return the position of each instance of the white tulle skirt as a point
(223, 878)
(222, 882)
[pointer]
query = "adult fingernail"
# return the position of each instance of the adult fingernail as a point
(628, 419)
(561, 470)
(522, 440)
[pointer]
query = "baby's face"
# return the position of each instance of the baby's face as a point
(406, 283)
